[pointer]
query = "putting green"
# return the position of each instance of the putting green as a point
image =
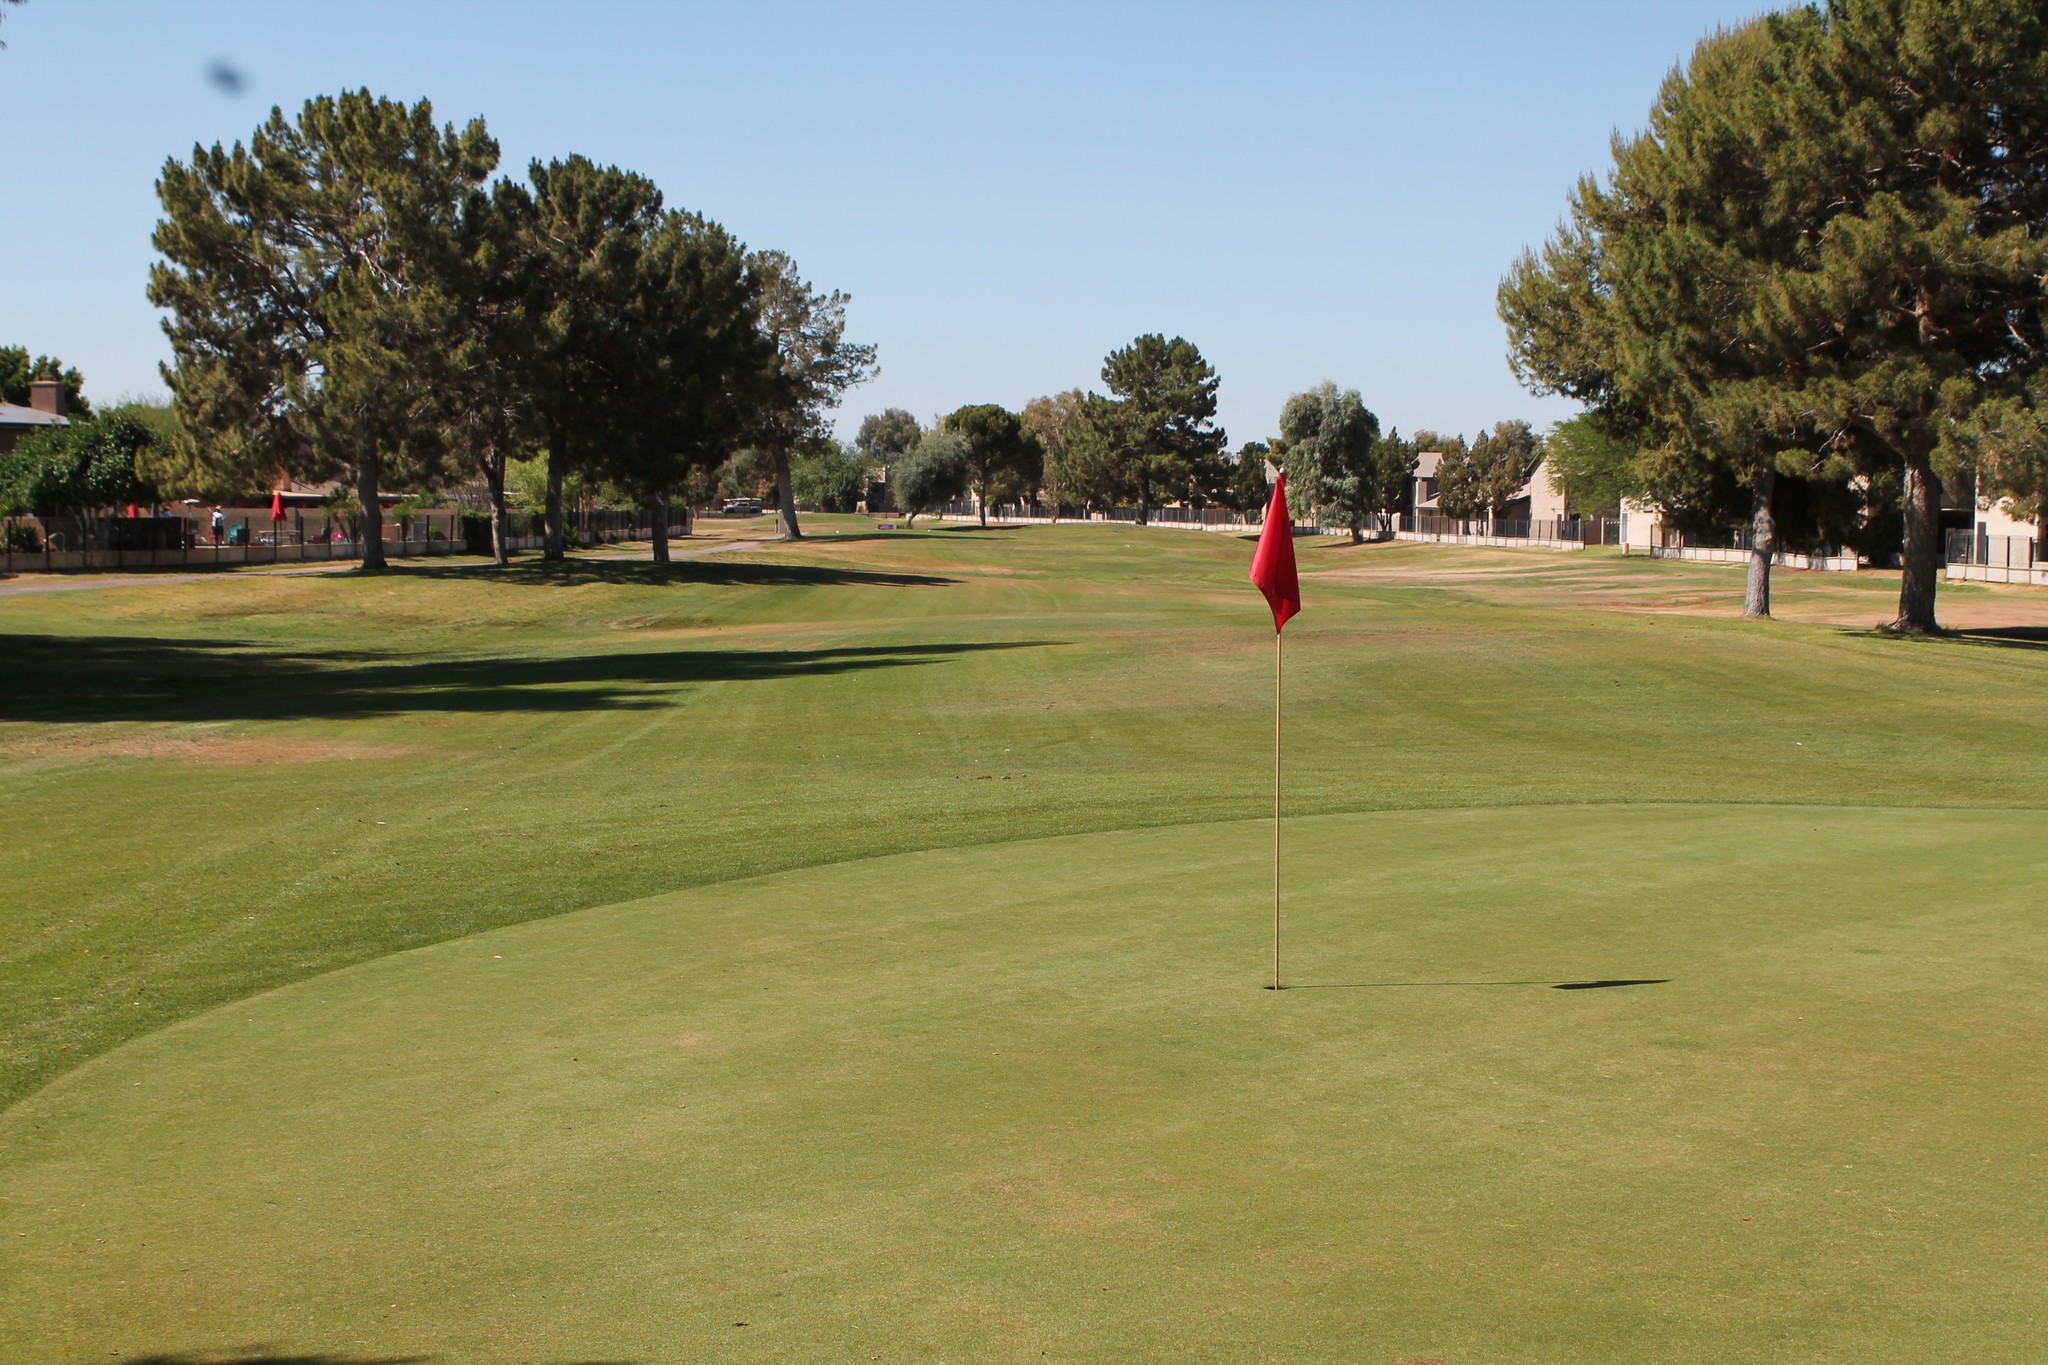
(1028, 1102)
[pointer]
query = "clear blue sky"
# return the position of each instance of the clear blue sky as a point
(1306, 191)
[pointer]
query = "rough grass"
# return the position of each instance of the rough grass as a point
(448, 750)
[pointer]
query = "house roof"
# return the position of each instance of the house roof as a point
(15, 415)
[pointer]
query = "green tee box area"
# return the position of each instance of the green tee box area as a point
(862, 942)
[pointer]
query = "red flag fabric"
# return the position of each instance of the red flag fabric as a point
(1273, 564)
(277, 506)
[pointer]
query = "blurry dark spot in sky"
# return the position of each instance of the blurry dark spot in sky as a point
(226, 78)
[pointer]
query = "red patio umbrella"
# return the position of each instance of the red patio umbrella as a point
(277, 506)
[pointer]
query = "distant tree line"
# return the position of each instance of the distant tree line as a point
(1811, 291)
(352, 294)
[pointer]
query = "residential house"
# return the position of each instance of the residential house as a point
(45, 409)
(1538, 500)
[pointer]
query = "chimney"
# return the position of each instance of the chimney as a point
(47, 395)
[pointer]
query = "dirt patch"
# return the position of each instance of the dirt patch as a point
(234, 751)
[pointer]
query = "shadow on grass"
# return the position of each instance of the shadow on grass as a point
(60, 678)
(1554, 985)
(262, 1355)
(709, 569)
(2007, 637)
(1991, 637)
(259, 1355)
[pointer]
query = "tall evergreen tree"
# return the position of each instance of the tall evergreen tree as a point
(306, 276)
(1393, 473)
(1160, 431)
(1250, 486)
(485, 405)
(587, 233)
(1848, 206)
(1657, 270)
(695, 363)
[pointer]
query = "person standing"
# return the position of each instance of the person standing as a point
(220, 523)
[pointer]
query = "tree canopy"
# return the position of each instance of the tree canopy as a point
(1328, 440)
(1828, 245)
(1488, 474)
(78, 469)
(304, 274)
(1158, 436)
(812, 367)
(18, 370)
(1003, 455)
(932, 473)
(885, 435)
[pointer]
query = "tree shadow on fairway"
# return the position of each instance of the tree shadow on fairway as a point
(710, 570)
(264, 1355)
(60, 678)
(1554, 985)
(1989, 637)
(2007, 637)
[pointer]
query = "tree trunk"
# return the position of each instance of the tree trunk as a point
(785, 497)
(1923, 549)
(1763, 542)
(981, 505)
(1358, 530)
(1144, 503)
(501, 519)
(661, 528)
(372, 534)
(553, 546)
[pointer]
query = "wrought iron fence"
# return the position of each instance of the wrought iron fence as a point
(180, 540)
(1978, 548)
(1563, 530)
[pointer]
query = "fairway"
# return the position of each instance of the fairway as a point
(862, 941)
(1028, 1102)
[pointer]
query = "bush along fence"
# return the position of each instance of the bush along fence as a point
(1980, 557)
(1734, 548)
(184, 540)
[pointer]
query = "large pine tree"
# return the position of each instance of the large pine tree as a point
(1830, 239)
(307, 276)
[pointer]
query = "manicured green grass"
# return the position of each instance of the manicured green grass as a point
(224, 787)
(1028, 1102)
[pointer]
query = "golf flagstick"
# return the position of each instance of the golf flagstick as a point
(1279, 651)
(1273, 571)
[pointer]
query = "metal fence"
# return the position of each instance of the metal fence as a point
(1980, 548)
(1567, 533)
(1978, 556)
(1562, 532)
(966, 509)
(1734, 547)
(60, 545)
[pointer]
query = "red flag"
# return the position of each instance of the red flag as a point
(277, 506)
(1273, 565)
